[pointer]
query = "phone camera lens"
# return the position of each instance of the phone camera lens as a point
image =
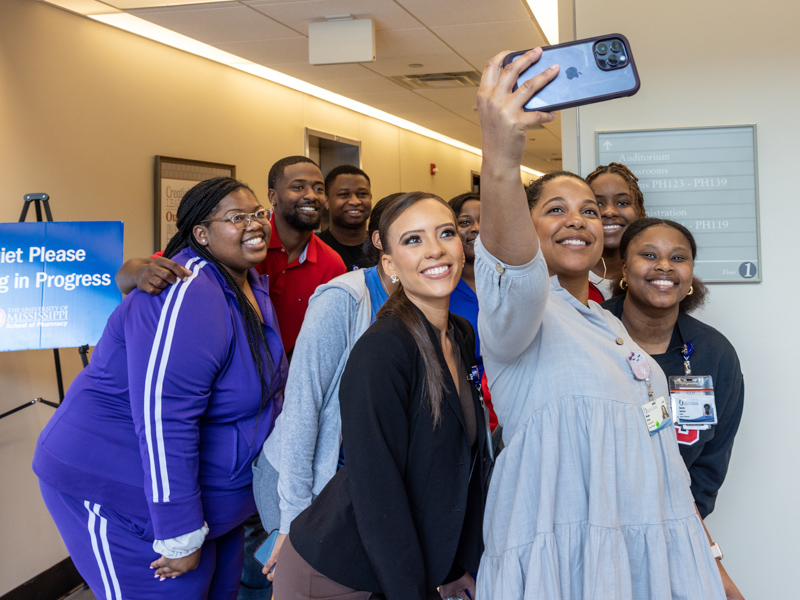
(616, 45)
(602, 48)
(613, 59)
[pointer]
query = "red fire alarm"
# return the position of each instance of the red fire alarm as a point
(434, 170)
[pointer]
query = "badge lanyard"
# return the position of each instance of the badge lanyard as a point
(474, 377)
(692, 396)
(656, 414)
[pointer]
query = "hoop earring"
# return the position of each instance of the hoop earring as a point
(604, 268)
(691, 290)
(623, 285)
(394, 279)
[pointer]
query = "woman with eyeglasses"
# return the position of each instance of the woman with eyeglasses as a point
(145, 468)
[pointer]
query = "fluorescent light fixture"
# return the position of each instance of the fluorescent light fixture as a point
(545, 12)
(83, 7)
(530, 171)
(168, 37)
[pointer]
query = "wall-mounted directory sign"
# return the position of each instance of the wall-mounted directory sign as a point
(704, 178)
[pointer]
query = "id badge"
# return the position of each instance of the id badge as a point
(656, 415)
(692, 399)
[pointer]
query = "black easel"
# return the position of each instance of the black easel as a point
(39, 200)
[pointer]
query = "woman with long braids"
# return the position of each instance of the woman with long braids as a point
(621, 203)
(145, 468)
(403, 516)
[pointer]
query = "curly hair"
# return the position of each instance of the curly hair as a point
(700, 291)
(628, 176)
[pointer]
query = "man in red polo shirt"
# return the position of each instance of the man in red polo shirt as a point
(297, 260)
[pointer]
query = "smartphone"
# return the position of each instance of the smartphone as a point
(592, 70)
(264, 551)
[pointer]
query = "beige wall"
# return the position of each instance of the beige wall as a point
(84, 108)
(717, 63)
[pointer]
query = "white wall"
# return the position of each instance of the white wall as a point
(718, 62)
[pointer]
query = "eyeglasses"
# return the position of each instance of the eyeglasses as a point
(243, 220)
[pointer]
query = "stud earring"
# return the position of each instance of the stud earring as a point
(623, 285)
(394, 279)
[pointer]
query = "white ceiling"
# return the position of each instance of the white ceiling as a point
(442, 35)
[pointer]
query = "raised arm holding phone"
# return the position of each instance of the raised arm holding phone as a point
(591, 489)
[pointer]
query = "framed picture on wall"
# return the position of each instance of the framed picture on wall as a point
(174, 177)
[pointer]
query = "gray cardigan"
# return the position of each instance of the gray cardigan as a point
(304, 446)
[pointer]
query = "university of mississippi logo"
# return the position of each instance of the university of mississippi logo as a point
(2, 317)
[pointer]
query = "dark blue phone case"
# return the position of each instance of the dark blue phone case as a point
(580, 80)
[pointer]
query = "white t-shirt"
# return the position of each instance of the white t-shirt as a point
(604, 285)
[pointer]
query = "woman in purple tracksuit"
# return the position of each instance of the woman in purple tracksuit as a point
(145, 467)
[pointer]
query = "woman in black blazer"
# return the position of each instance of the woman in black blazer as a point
(405, 513)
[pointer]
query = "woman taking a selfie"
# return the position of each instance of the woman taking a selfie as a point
(404, 514)
(656, 292)
(145, 468)
(590, 497)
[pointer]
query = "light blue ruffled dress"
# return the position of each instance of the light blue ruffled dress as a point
(584, 503)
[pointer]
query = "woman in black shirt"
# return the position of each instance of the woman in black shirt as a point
(657, 291)
(404, 515)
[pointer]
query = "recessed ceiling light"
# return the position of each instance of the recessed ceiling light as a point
(545, 12)
(416, 65)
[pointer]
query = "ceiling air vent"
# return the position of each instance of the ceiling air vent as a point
(438, 81)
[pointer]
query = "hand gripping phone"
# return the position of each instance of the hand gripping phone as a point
(264, 551)
(591, 70)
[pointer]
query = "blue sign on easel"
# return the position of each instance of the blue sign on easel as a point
(57, 286)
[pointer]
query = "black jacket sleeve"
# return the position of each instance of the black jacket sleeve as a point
(708, 470)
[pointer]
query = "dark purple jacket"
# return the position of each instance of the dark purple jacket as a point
(166, 420)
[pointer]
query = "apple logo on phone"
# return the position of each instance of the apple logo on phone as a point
(572, 73)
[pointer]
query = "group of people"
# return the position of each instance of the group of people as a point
(338, 385)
